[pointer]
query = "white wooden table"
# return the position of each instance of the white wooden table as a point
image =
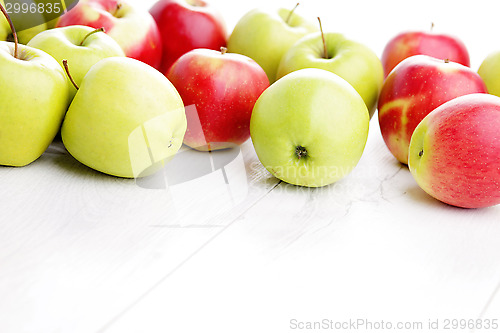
(84, 252)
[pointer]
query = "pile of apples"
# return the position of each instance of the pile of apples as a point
(126, 88)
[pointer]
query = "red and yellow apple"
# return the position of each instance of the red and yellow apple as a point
(407, 44)
(455, 152)
(414, 88)
(223, 87)
(186, 25)
(133, 28)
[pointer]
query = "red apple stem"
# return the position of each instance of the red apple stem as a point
(223, 50)
(325, 50)
(91, 33)
(432, 26)
(291, 13)
(14, 33)
(66, 68)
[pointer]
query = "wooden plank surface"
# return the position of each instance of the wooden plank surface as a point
(238, 251)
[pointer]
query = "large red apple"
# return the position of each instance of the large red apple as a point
(186, 25)
(455, 152)
(414, 88)
(411, 43)
(133, 28)
(223, 87)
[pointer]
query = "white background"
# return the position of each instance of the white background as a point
(84, 252)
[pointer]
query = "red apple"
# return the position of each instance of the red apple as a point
(224, 88)
(414, 88)
(411, 43)
(186, 25)
(134, 29)
(455, 152)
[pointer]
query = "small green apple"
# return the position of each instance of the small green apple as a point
(352, 61)
(126, 119)
(35, 94)
(4, 26)
(489, 71)
(309, 128)
(266, 36)
(23, 23)
(82, 46)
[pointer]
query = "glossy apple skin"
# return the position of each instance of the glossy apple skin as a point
(134, 30)
(35, 96)
(412, 43)
(184, 27)
(311, 111)
(266, 36)
(490, 72)
(352, 61)
(454, 152)
(224, 89)
(66, 43)
(414, 88)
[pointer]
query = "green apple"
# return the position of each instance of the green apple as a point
(489, 71)
(34, 93)
(27, 34)
(309, 128)
(352, 61)
(82, 46)
(126, 119)
(266, 36)
(4, 26)
(25, 30)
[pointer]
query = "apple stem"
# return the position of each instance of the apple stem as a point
(432, 26)
(446, 61)
(118, 7)
(325, 51)
(14, 33)
(291, 13)
(91, 33)
(223, 50)
(66, 68)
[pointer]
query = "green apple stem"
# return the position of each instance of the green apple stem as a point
(14, 33)
(91, 33)
(223, 50)
(66, 68)
(291, 13)
(325, 50)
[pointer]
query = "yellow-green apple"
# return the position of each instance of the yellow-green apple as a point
(133, 28)
(352, 61)
(309, 128)
(186, 25)
(82, 46)
(407, 44)
(414, 88)
(28, 21)
(35, 94)
(454, 152)
(126, 119)
(266, 36)
(490, 72)
(224, 88)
